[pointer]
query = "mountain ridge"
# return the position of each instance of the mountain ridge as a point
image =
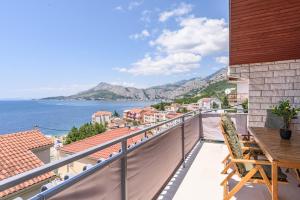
(106, 91)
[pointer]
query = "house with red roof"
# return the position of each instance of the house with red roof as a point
(93, 141)
(101, 117)
(21, 152)
(135, 114)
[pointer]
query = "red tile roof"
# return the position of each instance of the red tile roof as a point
(173, 115)
(135, 110)
(100, 113)
(100, 139)
(16, 157)
(150, 112)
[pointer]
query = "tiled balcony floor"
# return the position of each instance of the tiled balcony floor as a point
(201, 179)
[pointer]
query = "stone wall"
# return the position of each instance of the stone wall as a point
(269, 83)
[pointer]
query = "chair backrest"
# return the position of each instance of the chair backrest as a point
(232, 142)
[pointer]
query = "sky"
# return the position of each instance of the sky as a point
(61, 47)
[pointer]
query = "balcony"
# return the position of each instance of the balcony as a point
(201, 179)
(180, 161)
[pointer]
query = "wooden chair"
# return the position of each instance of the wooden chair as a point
(249, 147)
(249, 170)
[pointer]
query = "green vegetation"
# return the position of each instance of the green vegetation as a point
(86, 130)
(135, 123)
(161, 106)
(217, 89)
(245, 105)
(100, 94)
(225, 102)
(115, 114)
(188, 100)
(213, 90)
(215, 105)
(182, 110)
(286, 111)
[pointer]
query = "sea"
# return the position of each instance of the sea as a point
(55, 117)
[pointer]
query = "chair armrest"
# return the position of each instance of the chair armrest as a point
(251, 149)
(246, 135)
(257, 162)
(247, 142)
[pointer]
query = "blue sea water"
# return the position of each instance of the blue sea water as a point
(62, 115)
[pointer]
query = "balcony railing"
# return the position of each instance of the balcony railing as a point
(139, 171)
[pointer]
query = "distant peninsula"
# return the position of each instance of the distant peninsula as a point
(106, 91)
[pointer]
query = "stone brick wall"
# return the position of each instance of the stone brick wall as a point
(269, 83)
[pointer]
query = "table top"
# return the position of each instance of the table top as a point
(284, 152)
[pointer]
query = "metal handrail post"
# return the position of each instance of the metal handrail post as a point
(124, 170)
(200, 126)
(182, 142)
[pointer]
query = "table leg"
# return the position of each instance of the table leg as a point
(274, 181)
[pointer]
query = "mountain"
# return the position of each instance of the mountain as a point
(105, 91)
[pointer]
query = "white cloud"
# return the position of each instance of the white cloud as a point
(181, 50)
(142, 35)
(181, 10)
(134, 4)
(119, 8)
(123, 83)
(222, 60)
(160, 65)
(197, 35)
(146, 16)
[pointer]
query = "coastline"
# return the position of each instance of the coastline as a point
(20, 115)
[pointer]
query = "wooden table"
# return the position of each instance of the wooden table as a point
(281, 153)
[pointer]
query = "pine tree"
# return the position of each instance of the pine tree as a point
(116, 114)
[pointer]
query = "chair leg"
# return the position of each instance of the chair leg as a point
(265, 178)
(225, 184)
(297, 176)
(241, 183)
(227, 167)
(226, 159)
(228, 177)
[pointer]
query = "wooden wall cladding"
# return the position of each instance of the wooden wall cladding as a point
(264, 30)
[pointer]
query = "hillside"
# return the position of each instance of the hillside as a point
(213, 90)
(105, 91)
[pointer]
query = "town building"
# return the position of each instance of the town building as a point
(265, 52)
(75, 147)
(116, 122)
(207, 103)
(152, 117)
(193, 106)
(242, 89)
(149, 117)
(21, 152)
(101, 117)
(135, 114)
(174, 107)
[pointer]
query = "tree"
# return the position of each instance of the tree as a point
(183, 110)
(245, 105)
(84, 131)
(225, 102)
(135, 123)
(215, 105)
(161, 106)
(116, 114)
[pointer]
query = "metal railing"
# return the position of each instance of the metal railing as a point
(175, 123)
(125, 150)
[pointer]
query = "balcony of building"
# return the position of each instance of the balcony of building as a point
(181, 161)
